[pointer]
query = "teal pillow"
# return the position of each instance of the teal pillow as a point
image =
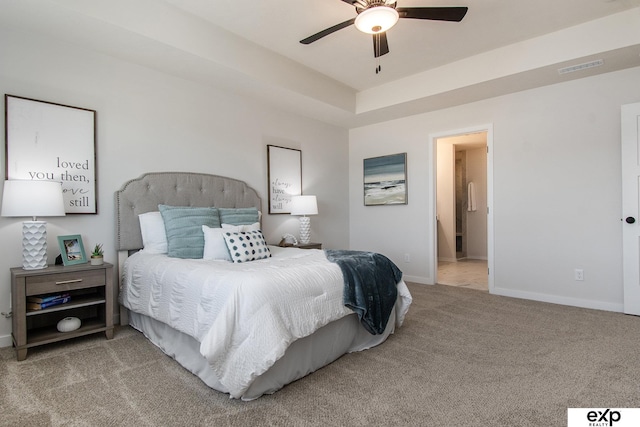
(183, 226)
(239, 216)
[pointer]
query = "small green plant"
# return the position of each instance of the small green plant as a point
(97, 250)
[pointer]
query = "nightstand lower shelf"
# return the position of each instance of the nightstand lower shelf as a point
(50, 334)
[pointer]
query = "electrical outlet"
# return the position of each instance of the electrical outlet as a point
(407, 258)
(578, 274)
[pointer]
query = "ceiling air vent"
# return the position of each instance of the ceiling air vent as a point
(580, 67)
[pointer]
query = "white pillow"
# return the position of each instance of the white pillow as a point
(246, 227)
(214, 245)
(154, 236)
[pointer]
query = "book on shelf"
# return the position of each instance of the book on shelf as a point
(46, 298)
(32, 306)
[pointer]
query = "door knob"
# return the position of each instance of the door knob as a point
(630, 220)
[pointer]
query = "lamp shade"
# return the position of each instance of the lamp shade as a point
(304, 205)
(32, 198)
(376, 19)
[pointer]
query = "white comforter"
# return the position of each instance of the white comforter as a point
(244, 315)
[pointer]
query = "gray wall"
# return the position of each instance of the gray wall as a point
(556, 191)
(149, 121)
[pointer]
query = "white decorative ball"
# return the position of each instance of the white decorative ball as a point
(69, 324)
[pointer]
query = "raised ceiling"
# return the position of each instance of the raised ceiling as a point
(415, 45)
(253, 47)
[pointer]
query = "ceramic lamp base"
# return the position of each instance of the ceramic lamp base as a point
(34, 245)
(305, 229)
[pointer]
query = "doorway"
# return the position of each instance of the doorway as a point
(462, 189)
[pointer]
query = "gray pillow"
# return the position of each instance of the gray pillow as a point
(239, 216)
(183, 225)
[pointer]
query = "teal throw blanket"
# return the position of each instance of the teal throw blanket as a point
(369, 286)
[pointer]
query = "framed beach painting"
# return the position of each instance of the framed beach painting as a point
(385, 180)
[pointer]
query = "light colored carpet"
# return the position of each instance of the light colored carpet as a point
(463, 358)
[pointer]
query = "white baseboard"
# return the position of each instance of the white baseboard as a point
(463, 258)
(5, 341)
(555, 299)
(418, 279)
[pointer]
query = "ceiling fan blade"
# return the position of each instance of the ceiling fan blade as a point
(380, 45)
(328, 31)
(454, 14)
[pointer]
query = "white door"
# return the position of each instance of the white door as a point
(631, 207)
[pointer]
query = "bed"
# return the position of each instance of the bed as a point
(244, 328)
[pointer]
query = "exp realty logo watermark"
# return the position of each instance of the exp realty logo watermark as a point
(603, 417)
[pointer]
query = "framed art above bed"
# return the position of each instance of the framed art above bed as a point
(284, 169)
(53, 142)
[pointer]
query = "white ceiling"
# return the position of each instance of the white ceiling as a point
(415, 45)
(252, 47)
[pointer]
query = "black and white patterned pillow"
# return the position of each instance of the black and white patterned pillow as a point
(246, 245)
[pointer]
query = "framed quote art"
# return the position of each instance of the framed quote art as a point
(53, 142)
(284, 168)
(385, 180)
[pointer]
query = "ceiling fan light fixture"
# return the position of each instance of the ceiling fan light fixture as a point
(376, 19)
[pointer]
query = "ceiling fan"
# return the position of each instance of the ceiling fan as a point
(377, 16)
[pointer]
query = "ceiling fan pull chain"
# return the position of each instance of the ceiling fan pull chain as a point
(377, 53)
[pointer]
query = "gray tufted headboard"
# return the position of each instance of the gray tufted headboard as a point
(145, 193)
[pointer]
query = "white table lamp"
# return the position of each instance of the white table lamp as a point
(304, 205)
(34, 199)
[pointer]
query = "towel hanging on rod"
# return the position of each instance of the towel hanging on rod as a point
(471, 197)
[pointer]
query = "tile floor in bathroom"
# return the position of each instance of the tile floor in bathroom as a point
(468, 273)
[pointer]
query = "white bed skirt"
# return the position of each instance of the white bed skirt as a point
(303, 357)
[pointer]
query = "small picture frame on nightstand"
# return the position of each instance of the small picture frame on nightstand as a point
(72, 249)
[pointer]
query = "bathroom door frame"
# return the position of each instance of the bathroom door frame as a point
(431, 217)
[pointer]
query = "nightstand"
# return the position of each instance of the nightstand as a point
(91, 291)
(309, 245)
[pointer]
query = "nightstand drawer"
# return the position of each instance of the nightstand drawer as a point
(49, 283)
